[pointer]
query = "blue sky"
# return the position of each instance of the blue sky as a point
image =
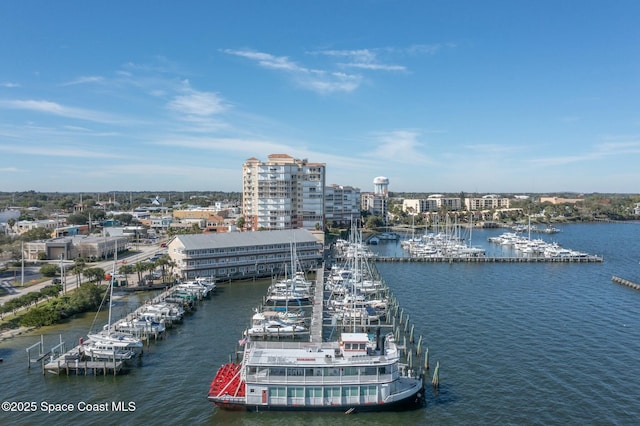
(439, 96)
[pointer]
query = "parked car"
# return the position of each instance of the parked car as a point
(56, 281)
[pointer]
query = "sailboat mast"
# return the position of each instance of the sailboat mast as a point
(113, 277)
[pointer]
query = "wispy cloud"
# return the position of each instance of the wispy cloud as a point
(84, 80)
(597, 152)
(198, 108)
(246, 146)
(317, 80)
(10, 85)
(58, 151)
(54, 108)
(400, 146)
(193, 102)
(9, 170)
(361, 58)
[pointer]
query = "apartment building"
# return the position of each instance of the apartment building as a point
(435, 202)
(342, 204)
(487, 202)
(283, 193)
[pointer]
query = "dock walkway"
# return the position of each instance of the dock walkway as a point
(318, 302)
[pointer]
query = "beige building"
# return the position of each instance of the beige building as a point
(559, 200)
(487, 202)
(432, 203)
(283, 193)
(70, 248)
(342, 203)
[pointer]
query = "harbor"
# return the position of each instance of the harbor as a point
(492, 329)
(355, 350)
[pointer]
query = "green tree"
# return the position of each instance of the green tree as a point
(49, 270)
(94, 275)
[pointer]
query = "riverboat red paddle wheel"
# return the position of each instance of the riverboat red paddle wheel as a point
(227, 389)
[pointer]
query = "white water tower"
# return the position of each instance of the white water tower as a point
(381, 185)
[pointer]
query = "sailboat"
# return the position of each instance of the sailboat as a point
(108, 343)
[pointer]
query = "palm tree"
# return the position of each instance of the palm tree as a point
(163, 262)
(126, 270)
(139, 268)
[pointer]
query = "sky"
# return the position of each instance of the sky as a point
(443, 96)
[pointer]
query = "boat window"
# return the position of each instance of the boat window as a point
(350, 371)
(277, 391)
(331, 391)
(275, 371)
(313, 392)
(295, 392)
(351, 391)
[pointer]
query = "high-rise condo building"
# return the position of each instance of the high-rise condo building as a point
(283, 193)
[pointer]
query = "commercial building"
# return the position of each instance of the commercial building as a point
(244, 255)
(283, 193)
(73, 247)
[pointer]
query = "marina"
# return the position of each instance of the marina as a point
(112, 350)
(511, 339)
(344, 357)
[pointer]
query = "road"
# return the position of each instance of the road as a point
(14, 289)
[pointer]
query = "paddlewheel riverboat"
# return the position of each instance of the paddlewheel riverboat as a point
(355, 373)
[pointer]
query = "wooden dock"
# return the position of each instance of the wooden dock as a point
(318, 303)
(72, 363)
(491, 259)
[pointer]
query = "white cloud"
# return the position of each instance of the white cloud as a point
(54, 108)
(84, 80)
(400, 146)
(10, 85)
(363, 59)
(57, 151)
(317, 80)
(193, 102)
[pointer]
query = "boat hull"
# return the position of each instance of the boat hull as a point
(411, 402)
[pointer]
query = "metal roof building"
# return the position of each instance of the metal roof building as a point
(244, 255)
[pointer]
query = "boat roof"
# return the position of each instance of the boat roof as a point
(305, 354)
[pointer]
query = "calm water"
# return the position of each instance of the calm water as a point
(517, 344)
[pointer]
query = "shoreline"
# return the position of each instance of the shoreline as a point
(13, 332)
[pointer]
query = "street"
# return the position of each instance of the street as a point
(11, 282)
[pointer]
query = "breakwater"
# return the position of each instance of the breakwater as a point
(623, 281)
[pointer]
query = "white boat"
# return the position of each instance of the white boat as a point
(352, 373)
(109, 339)
(106, 350)
(271, 324)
